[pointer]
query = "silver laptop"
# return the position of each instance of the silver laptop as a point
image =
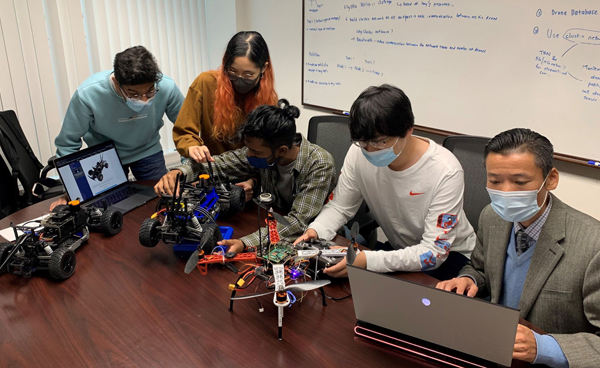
(96, 177)
(471, 326)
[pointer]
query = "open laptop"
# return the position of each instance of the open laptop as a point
(96, 177)
(432, 323)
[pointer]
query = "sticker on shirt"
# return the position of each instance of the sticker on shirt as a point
(132, 118)
(444, 245)
(329, 198)
(427, 261)
(446, 221)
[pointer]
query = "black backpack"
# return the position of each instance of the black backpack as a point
(19, 164)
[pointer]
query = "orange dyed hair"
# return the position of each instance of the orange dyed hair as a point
(230, 109)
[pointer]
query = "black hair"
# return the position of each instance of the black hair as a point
(135, 66)
(381, 110)
(275, 125)
(523, 140)
(246, 43)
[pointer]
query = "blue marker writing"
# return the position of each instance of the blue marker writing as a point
(348, 113)
(594, 163)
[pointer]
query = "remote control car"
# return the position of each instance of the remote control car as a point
(190, 217)
(50, 244)
(96, 171)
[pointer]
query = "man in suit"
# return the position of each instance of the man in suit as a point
(536, 254)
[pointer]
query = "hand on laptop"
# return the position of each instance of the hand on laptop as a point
(166, 184)
(61, 200)
(525, 345)
(460, 285)
(308, 234)
(200, 154)
(234, 245)
(340, 270)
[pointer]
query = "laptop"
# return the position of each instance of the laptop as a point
(96, 177)
(435, 324)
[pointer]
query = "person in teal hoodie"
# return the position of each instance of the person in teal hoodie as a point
(125, 105)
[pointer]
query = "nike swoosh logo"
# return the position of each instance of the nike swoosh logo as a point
(413, 194)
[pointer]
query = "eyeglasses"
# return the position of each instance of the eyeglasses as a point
(137, 96)
(376, 143)
(247, 77)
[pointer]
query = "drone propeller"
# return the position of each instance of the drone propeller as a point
(195, 257)
(351, 253)
(282, 220)
(305, 286)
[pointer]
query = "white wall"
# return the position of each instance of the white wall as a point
(280, 23)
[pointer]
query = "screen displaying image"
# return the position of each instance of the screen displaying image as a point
(88, 176)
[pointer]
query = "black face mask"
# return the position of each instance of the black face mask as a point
(243, 85)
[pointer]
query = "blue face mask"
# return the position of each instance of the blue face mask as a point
(383, 157)
(139, 106)
(260, 162)
(516, 206)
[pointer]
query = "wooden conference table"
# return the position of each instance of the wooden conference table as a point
(130, 306)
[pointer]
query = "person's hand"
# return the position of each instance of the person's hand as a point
(340, 270)
(60, 200)
(248, 186)
(166, 184)
(233, 245)
(200, 154)
(461, 285)
(308, 234)
(525, 347)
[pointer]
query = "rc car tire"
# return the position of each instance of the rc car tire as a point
(237, 200)
(149, 233)
(62, 263)
(111, 222)
(216, 236)
(100, 177)
(5, 248)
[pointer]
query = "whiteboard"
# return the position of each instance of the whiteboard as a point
(469, 66)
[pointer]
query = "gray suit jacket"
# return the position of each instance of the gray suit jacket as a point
(561, 293)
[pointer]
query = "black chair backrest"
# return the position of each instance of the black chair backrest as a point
(469, 152)
(331, 132)
(13, 143)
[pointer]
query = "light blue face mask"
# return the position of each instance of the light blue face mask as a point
(516, 206)
(139, 106)
(384, 157)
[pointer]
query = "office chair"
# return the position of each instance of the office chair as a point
(469, 152)
(19, 164)
(331, 132)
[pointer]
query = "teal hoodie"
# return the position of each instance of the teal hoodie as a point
(97, 114)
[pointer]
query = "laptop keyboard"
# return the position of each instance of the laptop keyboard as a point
(117, 196)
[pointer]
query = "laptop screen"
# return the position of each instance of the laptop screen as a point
(91, 172)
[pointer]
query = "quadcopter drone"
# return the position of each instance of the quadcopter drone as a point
(277, 263)
(96, 172)
(190, 216)
(50, 244)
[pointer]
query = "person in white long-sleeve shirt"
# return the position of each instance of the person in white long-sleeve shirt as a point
(413, 186)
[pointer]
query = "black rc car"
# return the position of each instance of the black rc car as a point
(96, 171)
(50, 244)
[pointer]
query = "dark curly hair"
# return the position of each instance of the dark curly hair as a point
(275, 125)
(135, 66)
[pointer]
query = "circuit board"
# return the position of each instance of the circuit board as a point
(281, 253)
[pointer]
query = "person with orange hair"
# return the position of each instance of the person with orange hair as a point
(218, 101)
